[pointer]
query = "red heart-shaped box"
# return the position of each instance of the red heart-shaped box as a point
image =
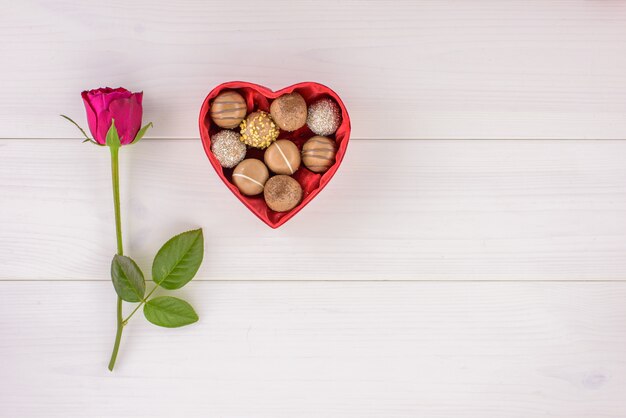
(259, 98)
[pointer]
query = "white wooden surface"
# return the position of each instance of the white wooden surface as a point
(405, 69)
(322, 349)
(461, 210)
(464, 274)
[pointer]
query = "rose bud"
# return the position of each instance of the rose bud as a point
(122, 106)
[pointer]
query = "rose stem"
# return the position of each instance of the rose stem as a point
(115, 176)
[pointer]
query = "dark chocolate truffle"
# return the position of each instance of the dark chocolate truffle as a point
(282, 193)
(228, 109)
(258, 130)
(282, 157)
(318, 154)
(250, 176)
(289, 112)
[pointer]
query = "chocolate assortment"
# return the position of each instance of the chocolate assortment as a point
(264, 164)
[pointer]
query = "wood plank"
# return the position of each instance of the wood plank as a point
(403, 210)
(419, 69)
(400, 349)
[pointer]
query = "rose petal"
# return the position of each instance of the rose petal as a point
(92, 118)
(127, 114)
(101, 98)
(104, 123)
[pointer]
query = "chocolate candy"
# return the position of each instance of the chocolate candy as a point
(289, 111)
(324, 117)
(318, 154)
(258, 130)
(282, 193)
(282, 157)
(227, 148)
(228, 109)
(250, 176)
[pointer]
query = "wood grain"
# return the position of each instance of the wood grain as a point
(407, 69)
(401, 349)
(401, 210)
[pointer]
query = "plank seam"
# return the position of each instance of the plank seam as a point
(337, 281)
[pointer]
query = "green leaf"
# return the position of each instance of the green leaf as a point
(169, 312)
(178, 260)
(113, 138)
(127, 279)
(141, 133)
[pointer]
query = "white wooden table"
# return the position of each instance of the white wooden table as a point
(468, 260)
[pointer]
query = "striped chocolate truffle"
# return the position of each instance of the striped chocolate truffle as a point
(228, 109)
(318, 154)
(250, 176)
(282, 157)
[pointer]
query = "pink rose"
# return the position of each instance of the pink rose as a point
(106, 104)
